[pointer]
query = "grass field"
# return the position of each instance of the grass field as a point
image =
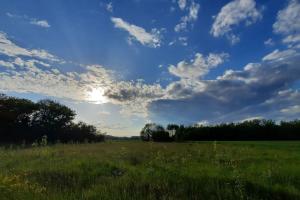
(137, 170)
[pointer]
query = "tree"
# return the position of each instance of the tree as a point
(15, 116)
(149, 129)
(172, 127)
(161, 136)
(155, 132)
(82, 132)
(14, 110)
(53, 114)
(22, 120)
(51, 118)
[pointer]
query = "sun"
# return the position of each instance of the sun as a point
(96, 95)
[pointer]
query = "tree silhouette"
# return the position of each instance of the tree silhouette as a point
(23, 120)
(247, 130)
(155, 133)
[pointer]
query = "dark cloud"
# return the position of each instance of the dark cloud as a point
(257, 90)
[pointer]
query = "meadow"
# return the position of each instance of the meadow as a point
(147, 170)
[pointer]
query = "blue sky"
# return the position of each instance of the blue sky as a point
(120, 64)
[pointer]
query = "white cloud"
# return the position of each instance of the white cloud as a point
(197, 67)
(251, 118)
(183, 41)
(8, 48)
(202, 123)
(192, 16)
(231, 15)
(6, 64)
(292, 39)
(269, 42)
(288, 23)
(180, 40)
(72, 85)
(260, 89)
(109, 7)
(152, 39)
(33, 21)
(182, 4)
(33, 71)
(288, 19)
(280, 55)
(291, 110)
(41, 23)
(226, 98)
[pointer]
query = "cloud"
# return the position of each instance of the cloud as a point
(134, 96)
(183, 41)
(291, 110)
(33, 21)
(180, 40)
(280, 55)
(34, 71)
(288, 23)
(6, 64)
(130, 91)
(152, 39)
(269, 42)
(202, 123)
(182, 4)
(109, 7)
(41, 23)
(260, 89)
(251, 118)
(233, 14)
(52, 82)
(9, 48)
(37, 71)
(191, 17)
(198, 67)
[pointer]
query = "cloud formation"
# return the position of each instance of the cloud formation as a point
(150, 39)
(260, 89)
(182, 4)
(33, 21)
(269, 42)
(288, 24)
(191, 16)
(9, 48)
(233, 14)
(109, 7)
(280, 55)
(197, 67)
(37, 71)
(41, 23)
(134, 96)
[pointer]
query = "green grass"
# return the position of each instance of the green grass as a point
(137, 170)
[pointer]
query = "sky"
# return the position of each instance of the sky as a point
(121, 64)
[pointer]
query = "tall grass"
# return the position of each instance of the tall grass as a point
(137, 170)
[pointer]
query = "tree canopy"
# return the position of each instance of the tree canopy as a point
(247, 130)
(23, 120)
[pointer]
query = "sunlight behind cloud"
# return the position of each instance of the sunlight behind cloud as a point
(96, 95)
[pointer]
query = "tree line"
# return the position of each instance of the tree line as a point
(22, 120)
(247, 130)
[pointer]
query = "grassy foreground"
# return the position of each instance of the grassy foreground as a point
(137, 170)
